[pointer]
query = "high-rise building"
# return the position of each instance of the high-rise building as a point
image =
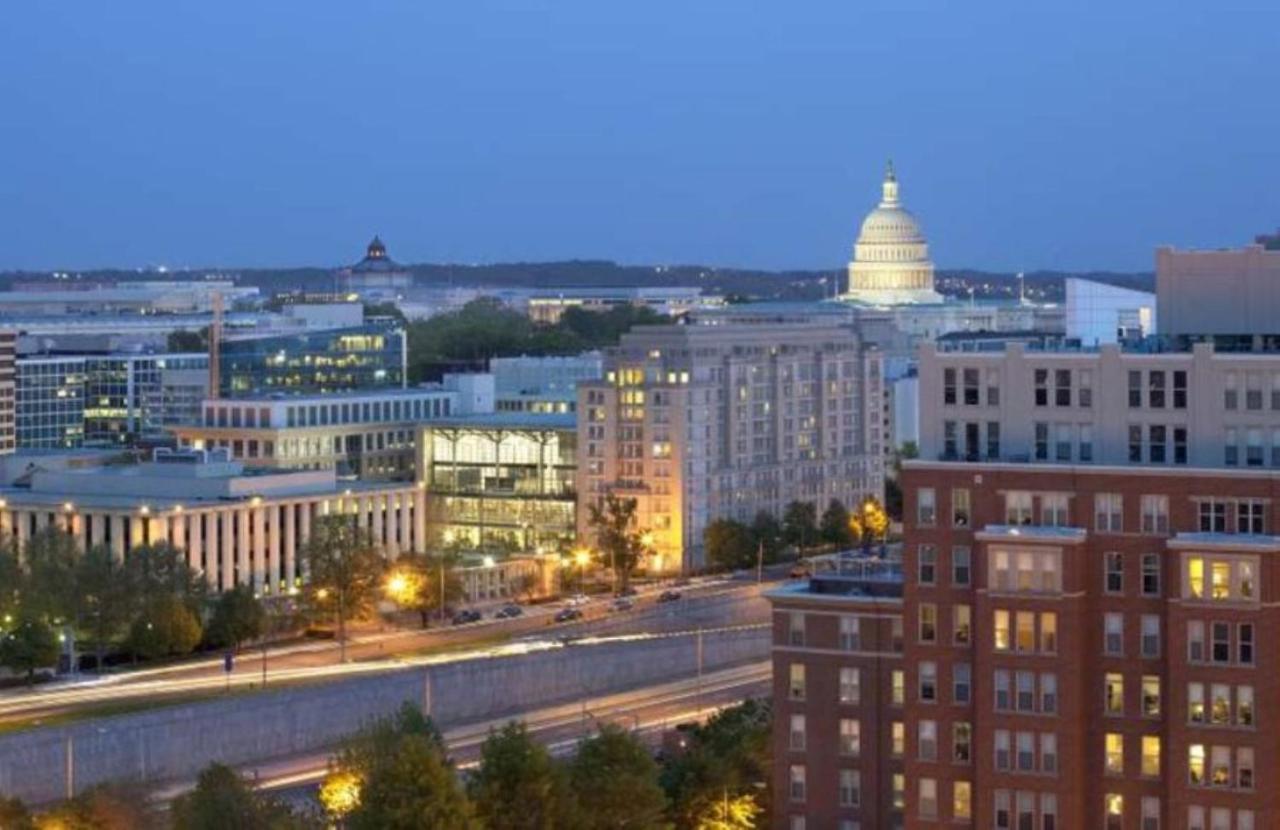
(8, 359)
(365, 357)
(700, 422)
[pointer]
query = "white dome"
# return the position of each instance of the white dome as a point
(891, 262)
(887, 225)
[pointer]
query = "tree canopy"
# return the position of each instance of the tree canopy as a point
(616, 782)
(345, 570)
(621, 544)
(518, 785)
(223, 799)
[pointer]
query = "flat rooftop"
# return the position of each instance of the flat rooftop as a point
(509, 420)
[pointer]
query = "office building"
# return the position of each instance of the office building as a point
(500, 481)
(839, 730)
(544, 385)
(236, 526)
(700, 422)
(1098, 313)
(315, 362)
(8, 384)
(369, 435)
(549, 306)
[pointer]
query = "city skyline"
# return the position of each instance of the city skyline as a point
(659, 137)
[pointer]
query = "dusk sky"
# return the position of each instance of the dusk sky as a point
(713, 131)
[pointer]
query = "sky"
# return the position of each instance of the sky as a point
(735, 133)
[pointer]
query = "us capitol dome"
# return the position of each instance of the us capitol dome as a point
(891, 264)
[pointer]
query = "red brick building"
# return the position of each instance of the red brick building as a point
(1082, 648)
(839, 699)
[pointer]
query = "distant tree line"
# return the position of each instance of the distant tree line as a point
(735, 545)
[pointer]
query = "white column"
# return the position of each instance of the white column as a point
(259, 519)
(195, 549)
(377, 503)
(420, 521)
(242, 546)
(362, 512)
(135, 533)
(76, 527)
(273, 546)
(290, 542)
(406, 529)
(118, 525)
(226, 550)
(97, 529)
(6, 522)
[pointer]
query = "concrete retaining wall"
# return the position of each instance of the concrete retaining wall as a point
(176, 742)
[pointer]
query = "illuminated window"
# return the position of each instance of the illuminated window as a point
(1151, 755)
(1196, 764)
(1113, 756)
(962, 800)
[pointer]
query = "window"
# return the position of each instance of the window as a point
(1113, 693)
(928, 797)
(1150, 635)
(1196, 712)
(795, 628)
(927, 743)
(1025, 690)
(797, 684)
(928, 628)
(1230, 394)
(797, 738)
(1244, 767)
(1025, 743)
(1053, 510)
(1017, 507)
(1003, 750)
(898, 739)
(1151, 756)
(927, 565)
(1048, 811)
(898, 797)
(1244, 644)
(1113, 804)
(949, 386)
(1114, 572)
(961, 624)
(1086, 442)
(1196, 763)
(926, 507)
(1195, 818)
(796, 776)
(1220, 766)
(1049, 632)
(1180, 389)
(1231, 448)
(1155, 389)
(850, 685)
(1042, 441)
(1108, 512)
(1042, 387)
(1003, 810)
(899, 687)
(1151, 574)
(850, 633)
(1250, 517)
(1179, 445)
(961, 568)
(960, 507)
(1049, 752)
(1219, 703)
(1150, 813)
(1003, 690)
(961, 682)
(1000, 629)
(850, 737)
(1220, 644)
(1025, 632)
(1113, 629)
(1135, 443)
(850, 788)
(962, 800)
(928, 681)
(1195, 641)
(993, 439)
(1048, 693)
(961, 742)
(1151, 695)
(1113, 753)
(1135, 390)
(1155, 514)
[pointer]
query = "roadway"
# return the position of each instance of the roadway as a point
(649, 711)
(372, 650)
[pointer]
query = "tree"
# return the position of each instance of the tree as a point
(621, 543)
(52, 594)
(616, 782)
(729, 545)
(14, 815)
(869, 523)
(118, 806)
(166, 627)
(161, 570)
(729, 813)
(800, 524)
(425, 584)
(13, 581)
(29, 645)
(767, 531)
(237, 617)
(107, 598)
(834, 527)
(726, 758)
(345, 569)
(223, 799)
(519, 785)
(186, 340)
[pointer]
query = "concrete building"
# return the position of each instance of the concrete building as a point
(839, 707)
(1229, 294)
(369, 435)
(542, 384)
(700, 422)
(502, 481)
(549, 306)
(236, 526)
(8, 359)
(1098, 313)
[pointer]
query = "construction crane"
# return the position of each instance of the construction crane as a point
(215, 343)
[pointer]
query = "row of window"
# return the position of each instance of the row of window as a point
(1017, 752)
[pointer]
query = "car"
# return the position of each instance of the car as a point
(568, 615)
(507, 612)
(465, 617)
(622, 604)
(577, 600)
(800, 572)
(668, 596)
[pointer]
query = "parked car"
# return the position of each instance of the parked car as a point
(668, 596)
(577, 600)
(464, 617)
(568, 615)
(507, 612)
(622, 604)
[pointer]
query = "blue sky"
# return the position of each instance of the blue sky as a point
(286, 132)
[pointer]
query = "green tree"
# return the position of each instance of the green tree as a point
(616, 782)
(14, 815)
(800, 524)
(13, 580)
(51, 556)
(119, 806)
(237, 617)
(166, 627)
(426, 584)
(621, 544)
(767, 530)
(729, 544)
(108, 600)
(161, 570)
(186, 340)
(223, 799)
(834, 527)
(518, 785)
(345, 571)
(729, 813)
(28, 646)
(726, 758)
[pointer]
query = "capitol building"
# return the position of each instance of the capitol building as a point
(891, 264)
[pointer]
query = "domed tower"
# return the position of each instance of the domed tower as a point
(891, 264)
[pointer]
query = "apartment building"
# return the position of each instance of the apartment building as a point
(707, 421)
(839, 686)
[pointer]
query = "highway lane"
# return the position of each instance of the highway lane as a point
(367, 653)
(649, 711)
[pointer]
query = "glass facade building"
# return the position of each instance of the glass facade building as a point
(363, 357)
(50, 403)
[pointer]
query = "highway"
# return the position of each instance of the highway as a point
(650, 711)
(369, 651)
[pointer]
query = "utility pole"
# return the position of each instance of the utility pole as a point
(699, 695)
(760, 562)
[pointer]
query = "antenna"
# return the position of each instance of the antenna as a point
(215, 344)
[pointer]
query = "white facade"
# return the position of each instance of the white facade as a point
(891, 264)
(1098, 313)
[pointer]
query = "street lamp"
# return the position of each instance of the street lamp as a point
(582, 557)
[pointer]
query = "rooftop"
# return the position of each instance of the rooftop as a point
(564, 421)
